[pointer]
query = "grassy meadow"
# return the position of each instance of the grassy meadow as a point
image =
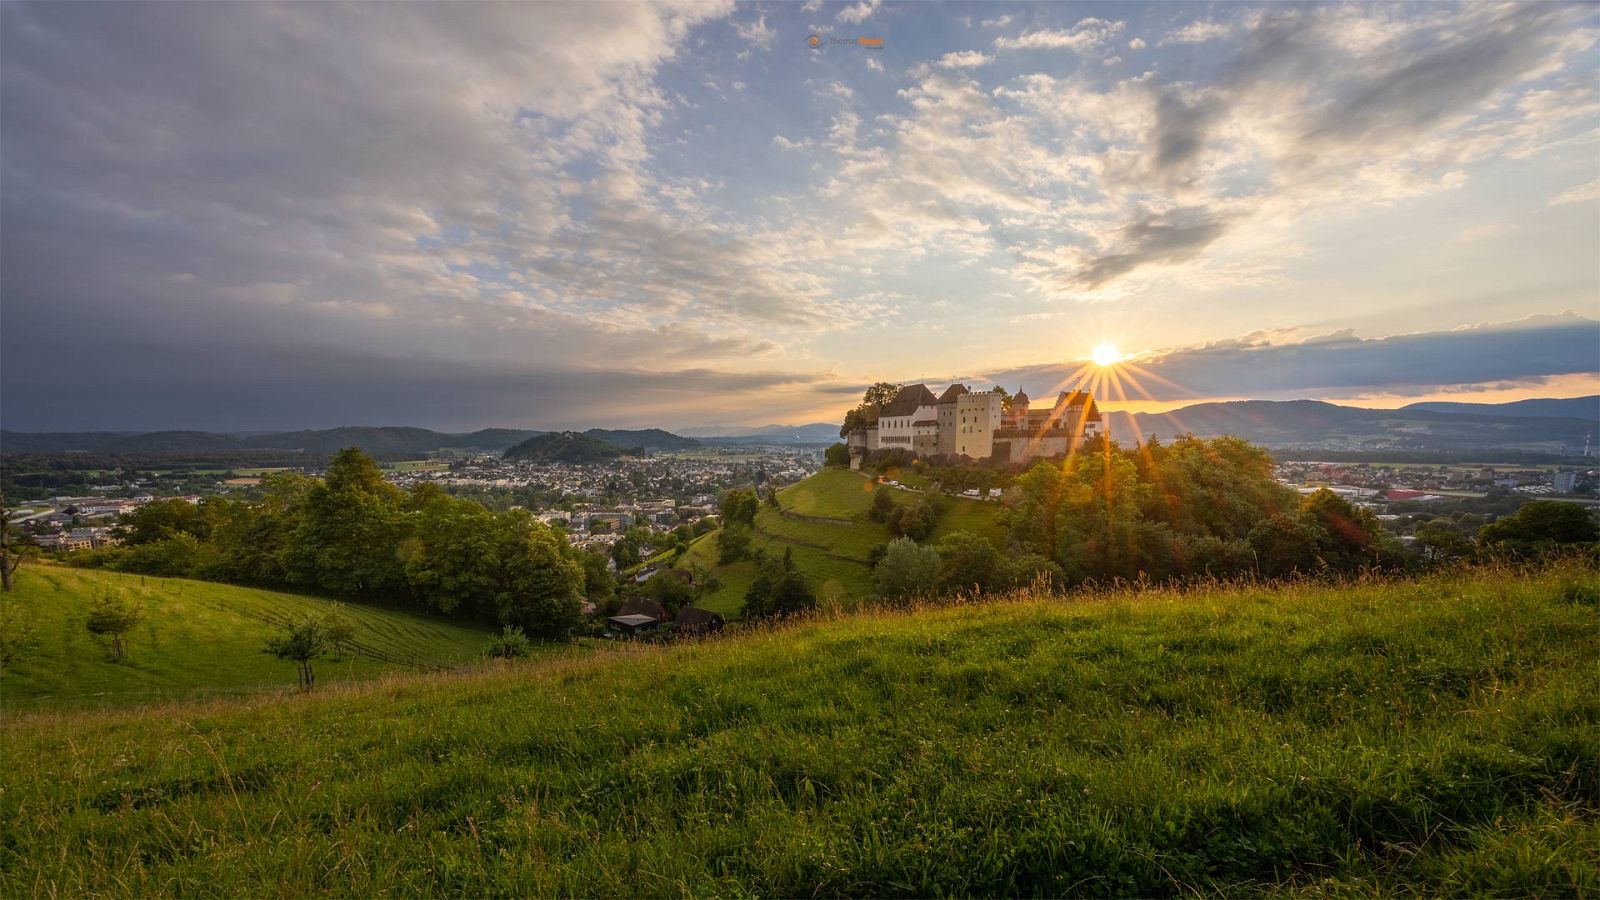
(1440, 736)
(198, 638)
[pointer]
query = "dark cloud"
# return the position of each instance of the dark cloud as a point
(1418, 87)
(1342, 363)
(138, 386)
(1153, 238)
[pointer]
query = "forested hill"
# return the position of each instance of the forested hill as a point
(564, 447)
(653, 439)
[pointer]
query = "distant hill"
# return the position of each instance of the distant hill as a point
(653, 439)
(564, 447)
(1567, 407)
(389, 441)
(814, 434)
(1313, 424)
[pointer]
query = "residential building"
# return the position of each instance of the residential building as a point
(1564, 482)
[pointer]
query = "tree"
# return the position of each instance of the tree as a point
(452, 556)
(113, 616)
(309, 638)
(866, 412)
(837, 455)
(672, 588)
(347, 538)
(599, 585)
(907, 570)
(883, 506)
(738, 506)
(1439, 542)
(13, 546)
(733, 543)
(540, 584)
(779, 589)
(969, 562)
(915, 520)
(1540, 527)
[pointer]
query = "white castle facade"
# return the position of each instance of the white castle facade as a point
(961, 423)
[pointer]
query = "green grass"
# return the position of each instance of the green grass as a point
(831, 493)
(198, 638)
(1437, 737)
(824, 523)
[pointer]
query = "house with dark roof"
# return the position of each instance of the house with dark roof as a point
(694, 620)
(897, 419)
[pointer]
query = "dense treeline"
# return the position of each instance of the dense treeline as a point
(352, 534)
(1193, 508)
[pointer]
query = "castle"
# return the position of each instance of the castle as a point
(961, 423)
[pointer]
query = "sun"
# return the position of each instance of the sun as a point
(1105, 355)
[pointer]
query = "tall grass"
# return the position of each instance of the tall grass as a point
(1439, 736)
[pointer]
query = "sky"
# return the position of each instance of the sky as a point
(262, 216)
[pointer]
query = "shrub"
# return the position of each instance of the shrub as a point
(510, 643)
(907, 570)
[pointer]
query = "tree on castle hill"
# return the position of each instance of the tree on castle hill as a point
(738, 506)
(837, 455)
(1190, 508)
(866, 412)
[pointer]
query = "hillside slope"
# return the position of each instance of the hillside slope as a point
(823, 523)
(1437, 737)
(198, 639)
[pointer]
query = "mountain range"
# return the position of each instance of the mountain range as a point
(1541, 426)
(1313, 424)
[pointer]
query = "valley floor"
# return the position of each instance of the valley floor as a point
(1438, 737)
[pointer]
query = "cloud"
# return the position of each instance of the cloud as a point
(1087, 36)
(1151, 238)
(1341, 363)
(999, 21)
(860, 12)
(1196, 33)
(756, 33)
(966, 59)
(1588, 192)
(1137, 44)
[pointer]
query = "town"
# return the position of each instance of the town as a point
(594, 504)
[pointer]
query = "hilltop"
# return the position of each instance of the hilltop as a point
(652, 439)
(823, 522)
(564, 447)
(199, 638)
(1429, 737)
